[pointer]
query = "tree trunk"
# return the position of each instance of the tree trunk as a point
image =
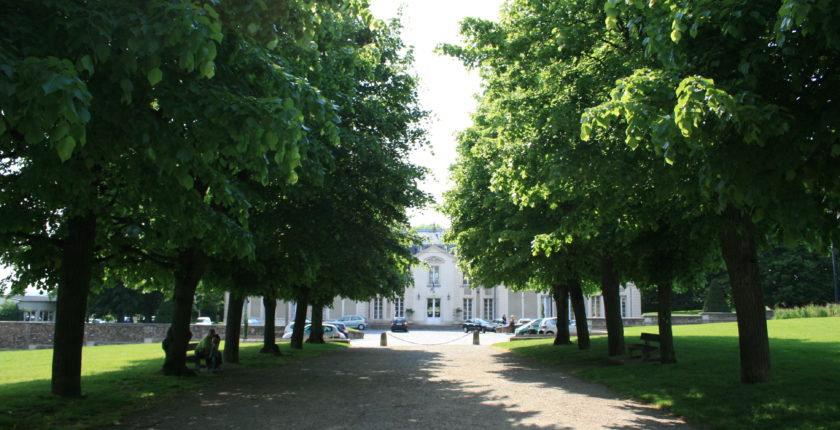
(667, 354)
(579, 308)
(612, 307)
(300, 320)
(189, 267)
(71, 306)
(233, 328)
(739, 253)
(269, 338)
(561, 300)
(316, 331)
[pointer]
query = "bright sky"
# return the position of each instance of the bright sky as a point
(446, 88)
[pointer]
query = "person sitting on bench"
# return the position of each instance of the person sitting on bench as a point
(205, 347)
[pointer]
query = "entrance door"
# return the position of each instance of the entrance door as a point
(433, 311)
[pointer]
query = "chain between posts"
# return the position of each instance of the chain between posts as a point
(429, 344)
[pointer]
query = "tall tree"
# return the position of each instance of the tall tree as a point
(738, 95)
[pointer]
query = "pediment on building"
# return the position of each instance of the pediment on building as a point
(434, 255)
(434, 260)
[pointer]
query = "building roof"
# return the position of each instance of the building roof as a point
(32, 298)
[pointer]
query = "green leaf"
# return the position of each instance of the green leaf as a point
(208, 69)
(252, 28)
(186, 180)
(273, 44)
(65, 148)
(87, 63)
(676, 35)
(154, 76)
(835, 150)
(270, 140)
(585, 131)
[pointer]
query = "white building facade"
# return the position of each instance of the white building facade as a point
(441, 295)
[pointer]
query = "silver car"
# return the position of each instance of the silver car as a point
(330, 332)
(353, 321)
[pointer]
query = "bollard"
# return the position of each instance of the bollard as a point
(383, 339)
(475, 338)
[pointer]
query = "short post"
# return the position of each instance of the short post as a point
(475, 338)
(383, 339)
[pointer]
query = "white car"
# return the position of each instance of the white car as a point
(330, 332)
(357, 322)
(547, 326)
(288, 329)
(203, 321)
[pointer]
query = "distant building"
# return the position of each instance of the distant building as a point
(35, 307)
(441, 295)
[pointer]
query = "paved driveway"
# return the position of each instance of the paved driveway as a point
(413, 387)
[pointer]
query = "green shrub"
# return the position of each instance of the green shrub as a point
(10, 312)
(810, 311)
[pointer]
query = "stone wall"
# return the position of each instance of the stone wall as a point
(36, 335)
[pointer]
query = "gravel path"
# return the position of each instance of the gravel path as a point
(414, 387)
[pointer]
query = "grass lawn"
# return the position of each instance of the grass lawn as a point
(116, 379)
(704, 386)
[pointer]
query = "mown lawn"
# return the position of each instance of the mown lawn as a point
(116, 379)
(704, 386)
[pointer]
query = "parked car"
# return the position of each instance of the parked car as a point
(399, 324)
(522, 321)
(547, 326)
(330, 332)
(291, 326)
(529, 328)
(478, 324)
(353, 321)
(203, 321)
(254, 321)
(342, 328)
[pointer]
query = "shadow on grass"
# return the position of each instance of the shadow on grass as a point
(359, 388)
(704, 385)
(137, 385)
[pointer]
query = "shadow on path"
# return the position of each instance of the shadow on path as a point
(396, 388)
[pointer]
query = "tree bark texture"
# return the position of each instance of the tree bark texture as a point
(667, 354)
(300, 320)
(739, 253)
(233, 328)
(71, 306)
(561, 300)
(579, 308)
(612, 307)
(269, 338)
(189, 268)
(316, 331)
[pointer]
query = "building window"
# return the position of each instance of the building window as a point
(466, 282)
(434, 276)
(624, 306)
(468, 309)
(399, 307)
(595, 306)
(377, 308)
(38, 316)
(489, 311)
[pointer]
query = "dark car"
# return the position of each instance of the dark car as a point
(478, 324)
(399, 324)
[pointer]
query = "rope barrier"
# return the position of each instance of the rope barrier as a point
(429, 344)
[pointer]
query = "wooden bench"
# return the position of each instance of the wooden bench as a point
(646, 348)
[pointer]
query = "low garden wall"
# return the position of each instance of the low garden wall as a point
(35, 335)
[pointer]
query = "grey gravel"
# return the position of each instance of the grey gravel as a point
(404, 387)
